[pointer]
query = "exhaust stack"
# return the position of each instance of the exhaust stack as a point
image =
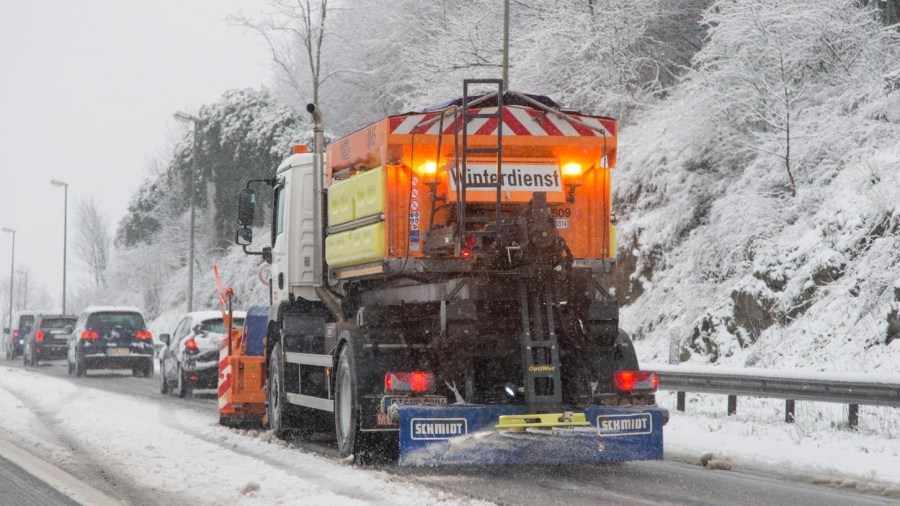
(318, 220)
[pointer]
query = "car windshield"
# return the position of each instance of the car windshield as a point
(104, 322)
(56, 323)
(217, 325)
(26, 322)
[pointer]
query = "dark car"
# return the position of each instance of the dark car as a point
(190, 357)
(110, 338)
(48, 339)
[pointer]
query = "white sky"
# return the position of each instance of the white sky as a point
(87, 93)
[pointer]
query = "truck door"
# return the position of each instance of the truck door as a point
(280, 243)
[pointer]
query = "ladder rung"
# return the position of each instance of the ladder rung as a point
(481, 150)
(483, 115)
(540, 344)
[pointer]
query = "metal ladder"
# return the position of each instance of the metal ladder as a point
(464, 219)
(540, 350)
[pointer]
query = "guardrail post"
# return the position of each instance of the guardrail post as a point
(789, 411)
(679, 403)
(853, 416)
(732, 404)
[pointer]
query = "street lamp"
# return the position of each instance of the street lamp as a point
(12, 271)
(56, 182)
(185, 117)
(24, 295)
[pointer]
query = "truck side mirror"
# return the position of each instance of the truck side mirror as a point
(246, 207)
(68, 329)
(267, 254)
(243, 236)
(164, 338)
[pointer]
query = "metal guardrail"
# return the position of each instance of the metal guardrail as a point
(805, 388)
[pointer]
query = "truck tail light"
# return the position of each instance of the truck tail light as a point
(629, 381)
(39, 336)
(191, 345)
(90, 334)
(415, 382)
(143, 334)
(466, 252)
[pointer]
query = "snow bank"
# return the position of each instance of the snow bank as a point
(177, 454)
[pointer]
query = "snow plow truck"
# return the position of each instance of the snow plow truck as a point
(434, 290)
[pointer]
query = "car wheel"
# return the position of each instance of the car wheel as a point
(25, 357)
(163, 384)
(182, 387)
(80, 366)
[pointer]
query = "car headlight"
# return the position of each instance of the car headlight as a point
(21, 341)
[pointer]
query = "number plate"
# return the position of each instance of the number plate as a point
(118, 351)
(413, 400)
(562, 223)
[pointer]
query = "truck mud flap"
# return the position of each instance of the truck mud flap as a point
(465, 435)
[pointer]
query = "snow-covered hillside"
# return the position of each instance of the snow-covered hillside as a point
(760, 203)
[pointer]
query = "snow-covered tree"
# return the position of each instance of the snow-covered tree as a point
(92, 241)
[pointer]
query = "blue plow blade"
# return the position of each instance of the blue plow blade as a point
(464, 435)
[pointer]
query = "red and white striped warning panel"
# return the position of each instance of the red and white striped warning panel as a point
(517, 120)
(224, 375)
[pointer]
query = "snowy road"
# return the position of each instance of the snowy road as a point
(118, 434)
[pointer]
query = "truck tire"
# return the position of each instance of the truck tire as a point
(628, 359)
(346, 406)
(277, 409)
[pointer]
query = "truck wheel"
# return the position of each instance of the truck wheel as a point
(346, 407)
(70, 366)
(277, 409)
(163, 384)
(628, 359)
(25, 359)
(33, 357)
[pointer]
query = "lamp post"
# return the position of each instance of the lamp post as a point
(25, 292)
(56, 182)
(12, 271)
(185, 117)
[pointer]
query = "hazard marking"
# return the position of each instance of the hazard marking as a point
(414, 205)
(414, 194)
(224, 388)
(517, 120)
